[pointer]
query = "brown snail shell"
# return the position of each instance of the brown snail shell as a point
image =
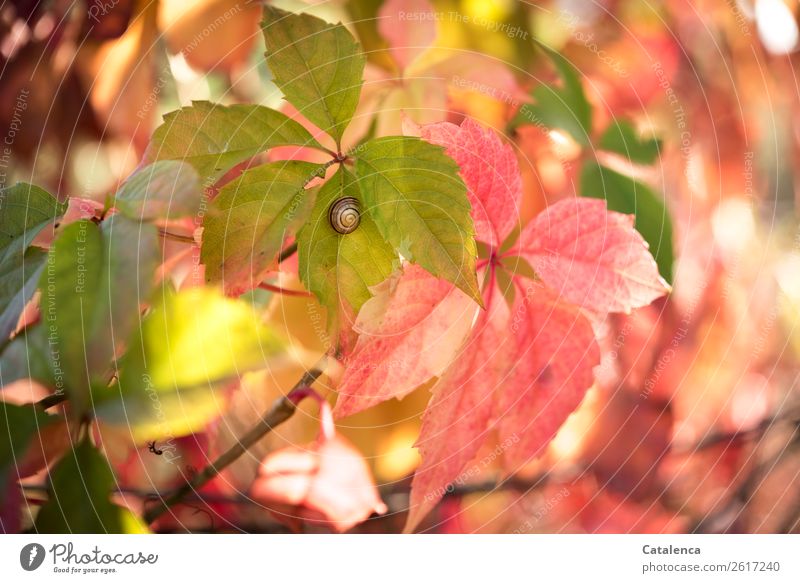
(345, 215)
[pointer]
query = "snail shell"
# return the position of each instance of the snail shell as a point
(345, 215)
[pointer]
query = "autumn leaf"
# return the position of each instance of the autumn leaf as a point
(529, 358)
(250, 219)
(593, 257)
(409, 333)
(490, 171)
(325, 483)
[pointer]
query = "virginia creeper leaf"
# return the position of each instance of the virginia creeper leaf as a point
(78, 503)
(249, 220)
(30, 356)
(522, 373)
(629, 196)
(24, 211)
(553, 369)
(490, 171)
(187, 347)
(91, 287)
(594, 258)
(169, 189)
(214, 138)
(413, 192)
(340, 269)
(621, 137)
(363, 16)
(318, 66)
(565, 107)
(409, 332)
(456, 422)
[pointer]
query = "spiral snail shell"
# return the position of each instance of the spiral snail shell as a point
(345, 215)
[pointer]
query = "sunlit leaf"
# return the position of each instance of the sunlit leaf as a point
(187, 347)
(249, 220)
(24, 211)
(214, 138)
(340, 269)
(318, 66)
(418, 201)
(626, 195)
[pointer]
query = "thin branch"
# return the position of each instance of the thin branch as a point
(281, 410)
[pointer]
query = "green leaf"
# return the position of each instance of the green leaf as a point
(78, 503)
(419, 203)
(215, 138)
(30, 356)
(249, 220)
(24, 211)
(187, 348)
(318, 66)
(169, 189)
(564, 107)
(625, 195)
(621, 137)
(91, 288)
(18, 425)
(340, 269)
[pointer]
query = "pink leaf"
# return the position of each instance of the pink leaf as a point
(456, 420)
(522, 373)
(409, 332)
(327, 483)
(593, 257)
(555, 358)
(409, 26)
(489, 169)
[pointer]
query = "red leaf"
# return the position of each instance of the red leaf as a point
(456, 420)
(489, 169)
(327, 483)
(593, 257)
(409, 332)
(522, 373)
(555, 358)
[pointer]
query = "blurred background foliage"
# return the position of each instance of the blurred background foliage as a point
(692, 423)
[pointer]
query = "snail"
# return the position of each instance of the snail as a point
(345, 215)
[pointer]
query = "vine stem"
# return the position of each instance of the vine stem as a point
(281, 410)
